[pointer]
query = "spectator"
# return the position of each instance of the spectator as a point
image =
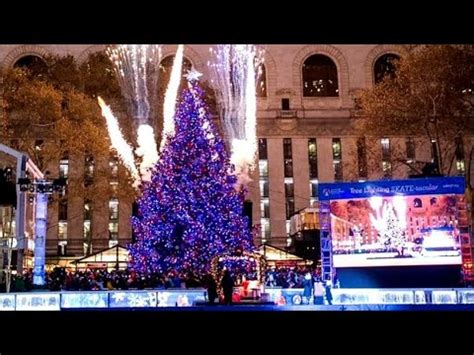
(227, 285)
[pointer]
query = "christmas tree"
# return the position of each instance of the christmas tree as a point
(391, 232)
(190, 211)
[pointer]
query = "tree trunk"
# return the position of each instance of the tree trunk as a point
(451, 164)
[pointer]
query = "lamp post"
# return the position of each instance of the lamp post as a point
(41, 189)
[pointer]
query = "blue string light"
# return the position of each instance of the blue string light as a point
(190, 211)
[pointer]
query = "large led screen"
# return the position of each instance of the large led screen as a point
(395, 231)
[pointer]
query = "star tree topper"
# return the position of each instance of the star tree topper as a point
(193, 75)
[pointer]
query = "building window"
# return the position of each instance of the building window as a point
(385, 142)
(287, 153)
(265, 229)
(263, 168)
(62, 210)
(113, 218)
(287, 156)
(320, 77)
(64, 167)
(386, 157)
(313, 185)
(262, 149)
(263, 188)
(337, 158)
(87, 230)
(435, 154)
(313, 158)
(35, 65)
(62, 248)
(87, 210)
(411, 155)
(362, 158)
(386, 168)
(113, 165)
(417, 203)
(411, 150)
(290, 208)
(289, 189)
(336, 149)
(113, 209)
(459, 156)
(262, 82)
(87, 220)
(62, 230)
(88, 170)
(87, 248)
(288, 167)
(113, 230)
(385, 66)
(265, 208)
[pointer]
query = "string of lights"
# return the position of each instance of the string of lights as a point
(190, 211)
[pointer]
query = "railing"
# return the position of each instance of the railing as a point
(55, 301)
(287, 114)
(347, 296)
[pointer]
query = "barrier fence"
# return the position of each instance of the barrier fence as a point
(55, 301)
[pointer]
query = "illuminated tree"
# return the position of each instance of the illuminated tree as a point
(391, 234)
(190, 211)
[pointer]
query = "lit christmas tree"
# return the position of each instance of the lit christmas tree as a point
(391, 233)
(190, 211)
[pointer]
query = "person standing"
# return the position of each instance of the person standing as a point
(328, 292)
(227, 285)
(308, 287)
(211, 289)
(318, 293)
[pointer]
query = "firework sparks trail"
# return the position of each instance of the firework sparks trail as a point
(118, 142)
(169, 106)
(234, 71)
(137, 69)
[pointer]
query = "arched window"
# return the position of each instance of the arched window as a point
(166, 66)
(262, 82)
(320, 76)
(417, 203)
(385, 66)
(33, 63)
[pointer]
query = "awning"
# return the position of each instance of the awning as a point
(276, 254)
(114, 255)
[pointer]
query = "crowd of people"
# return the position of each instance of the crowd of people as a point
(96, 280)
(290, 277)
(99, 279)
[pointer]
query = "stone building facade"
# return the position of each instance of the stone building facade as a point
(304, 129)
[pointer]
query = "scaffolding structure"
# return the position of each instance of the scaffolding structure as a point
(464, 225)
(327, 273)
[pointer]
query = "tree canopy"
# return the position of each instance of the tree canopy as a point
(430, 95)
